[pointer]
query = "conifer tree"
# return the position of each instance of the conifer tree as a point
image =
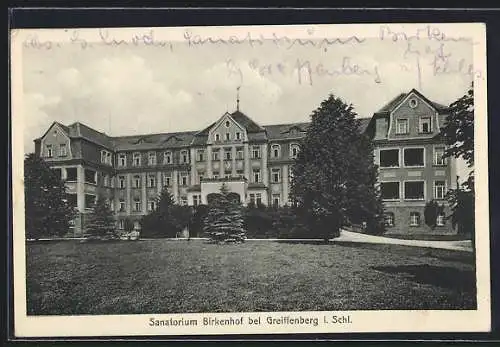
(224, 221)
(101, 223)
(48, 211)
(334, 174)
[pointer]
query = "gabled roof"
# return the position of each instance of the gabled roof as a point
(363, 123)
(62, 126)
(152, 141)
(80, 130)
(282, 131)
(246, 122)
(391, 105)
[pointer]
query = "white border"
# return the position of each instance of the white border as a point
(364, 321)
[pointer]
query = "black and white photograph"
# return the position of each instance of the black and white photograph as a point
(250, 180)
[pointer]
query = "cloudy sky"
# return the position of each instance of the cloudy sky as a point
(131, 89)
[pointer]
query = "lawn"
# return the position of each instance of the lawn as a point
(161, 276)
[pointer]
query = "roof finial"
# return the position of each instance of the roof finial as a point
(238, 98)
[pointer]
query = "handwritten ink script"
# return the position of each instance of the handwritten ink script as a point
(426, 47)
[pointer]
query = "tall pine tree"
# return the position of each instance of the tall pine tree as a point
(334, 175)
(48, 211)
(224, 221)
(101, 222)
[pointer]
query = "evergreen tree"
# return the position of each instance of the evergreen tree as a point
(334, 174)
(224, 221)
(47, 209)
(101, 222)
(167, 219)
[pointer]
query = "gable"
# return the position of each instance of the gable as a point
(226, 127)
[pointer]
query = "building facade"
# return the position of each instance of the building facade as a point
(254, 161)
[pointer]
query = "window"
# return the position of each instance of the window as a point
(414, 157)
(137, 181)
(62, 150)
(167, 176)
(103, 156)
(90, 176)
(137, 204)
(239, 153)
(239, 173)
(402, 126)
(137, 159)
(105, 180)
(200, 176)
(425, 125)
(121, 224)
(227, 154)
(121, 182)
(238, 136)
(89, 200)
(275, 151)
(217, 137)
(216, 177)
(413, 103)
(71, 174)
(414, 190)
(438, 156)
(256, 152)
(227, 124)
(151, 158)
(151, 181)
(184, 157)
(290, 175)
(439, 189)
(184, 200)
(389, 219)
(227, 175)
(414, 219)
(151, 205)
(201, 155)
(215, 155)
(252, 199)
(228, 136)
(256, 175)
(122, 205)
(49, 151)
(184, 179)
(440, 220)
(294, 151)
(196, 200)
(389, 158)
(276, 175)
(122, 159)
(276, 200)
(167, 157)
(389, 190)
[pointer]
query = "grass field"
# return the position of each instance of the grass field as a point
(160, 276)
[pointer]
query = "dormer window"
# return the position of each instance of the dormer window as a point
(425, 125)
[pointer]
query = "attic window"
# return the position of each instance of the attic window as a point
(413, 103)
(227, 124)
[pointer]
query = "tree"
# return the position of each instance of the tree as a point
(101, 223)
(458, 134)
(48, 211)
(197, 219)
(431, 212)
(334, 174)
(167, 219)
(128, 225)
(224, 220)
